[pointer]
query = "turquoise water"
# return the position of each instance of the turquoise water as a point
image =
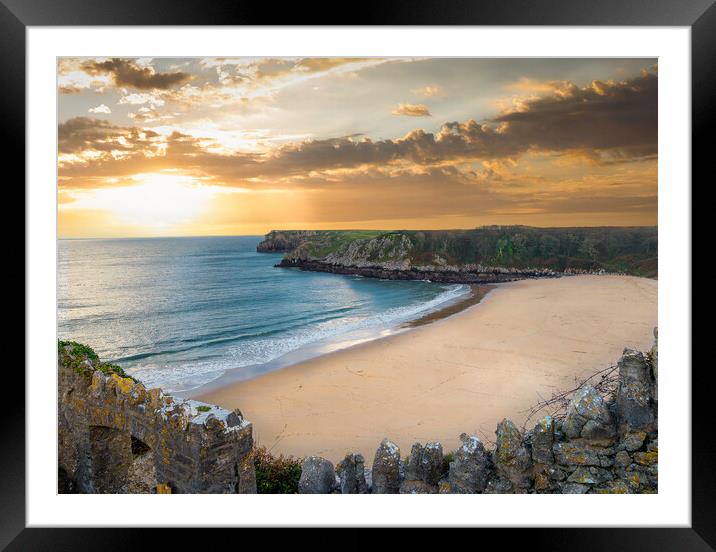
(181, 312)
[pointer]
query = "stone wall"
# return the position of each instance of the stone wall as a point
(116, 436)
(601, 445)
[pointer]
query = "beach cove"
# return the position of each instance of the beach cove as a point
(464, 373)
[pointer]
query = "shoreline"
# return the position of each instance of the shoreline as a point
(477, 293)
(331, 345)
(463, 374)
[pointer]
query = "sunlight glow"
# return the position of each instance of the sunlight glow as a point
(159, 200)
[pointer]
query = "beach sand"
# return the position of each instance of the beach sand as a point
(463, 373)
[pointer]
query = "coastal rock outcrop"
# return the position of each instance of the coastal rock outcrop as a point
(317, 476)
(489, 254)
(351, 473)
(511, 457)
(283, 241)
(423, 469)
(386, 468)
(588, 417)
(470, 467)
(635, 404)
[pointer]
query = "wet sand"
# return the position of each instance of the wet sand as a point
(463, 373)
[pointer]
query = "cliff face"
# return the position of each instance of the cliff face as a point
(489, 254)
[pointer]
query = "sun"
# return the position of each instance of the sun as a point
(157, 200)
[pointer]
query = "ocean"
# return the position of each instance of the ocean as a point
(180, 313)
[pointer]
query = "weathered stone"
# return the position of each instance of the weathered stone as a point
(581, 454)
(432, 463)
(634, 393)
(386, 468)
(617, 486)
(414, 468)
(646, 458)
(622, 459)
(574, 488)
(247, 476)
(542, 441)
(351, 475)
(588, 417)
(317, 476)
(633, 440)
(417, 487)
(590, 476)
(444, 487)
(511, 458)
(499, 485)
(470, 466)
(234, 418)
(114, 435)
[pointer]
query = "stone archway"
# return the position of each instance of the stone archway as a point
(142, 475)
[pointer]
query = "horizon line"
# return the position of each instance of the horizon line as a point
(349, 230)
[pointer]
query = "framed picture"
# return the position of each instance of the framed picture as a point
(435, 252)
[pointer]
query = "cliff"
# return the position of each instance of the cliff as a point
(482, 255)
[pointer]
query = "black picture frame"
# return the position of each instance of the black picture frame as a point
(699, 15)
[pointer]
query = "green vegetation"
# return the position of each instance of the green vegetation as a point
(614, 249)
(276, 475)
(77, 355)
(203, 408)
(328, 241)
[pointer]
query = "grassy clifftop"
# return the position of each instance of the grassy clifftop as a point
(631, 250)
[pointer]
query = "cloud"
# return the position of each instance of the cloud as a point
(127, 72)
(605, 115)
(613, 122)
(428, 91)
(100, 109)
(412, 110)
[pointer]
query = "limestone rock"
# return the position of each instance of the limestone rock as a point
(413, 469)
(425, 463)
(574, 488)
(317, 476)
(386, 468)
(417, 487)
(542, 441)
(511, 458)
(582, 454)
(588, 417)
(634, 404)
(633, 440)
(590, 476)
(470, 467)
(351, 474)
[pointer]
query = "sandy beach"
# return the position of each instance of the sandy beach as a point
(463, 373)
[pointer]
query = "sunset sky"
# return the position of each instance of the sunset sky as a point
(228, 146)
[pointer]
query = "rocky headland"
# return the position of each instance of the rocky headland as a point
(484, 255)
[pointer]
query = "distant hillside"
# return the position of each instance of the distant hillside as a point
(512, 252)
